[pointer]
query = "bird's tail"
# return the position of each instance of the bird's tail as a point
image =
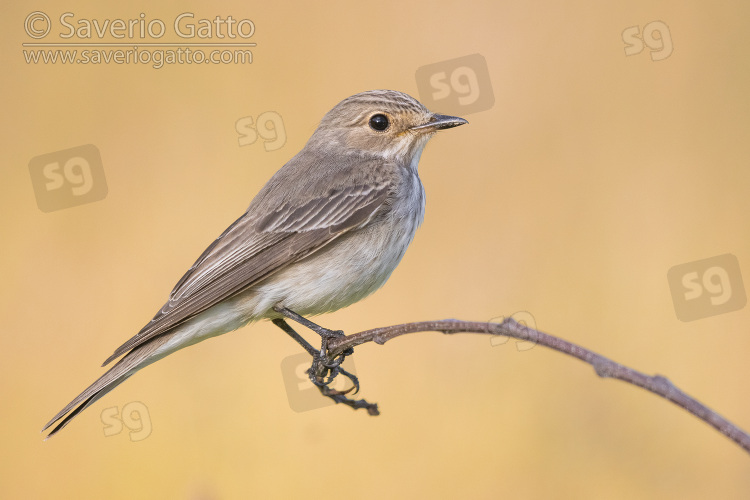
(121, 371)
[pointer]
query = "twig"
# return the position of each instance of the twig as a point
(604, 367)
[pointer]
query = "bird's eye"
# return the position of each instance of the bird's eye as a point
(379, 122)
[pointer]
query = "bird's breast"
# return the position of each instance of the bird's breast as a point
(352, 266)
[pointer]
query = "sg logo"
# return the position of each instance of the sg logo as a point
(707, 287)
(270, 128)
(135, 417)
(527, 321)
(661, 45)
(301, 392)
(458, 86)
(68, 178)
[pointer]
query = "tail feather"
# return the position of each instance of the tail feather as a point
(121, 371)
(85, 404)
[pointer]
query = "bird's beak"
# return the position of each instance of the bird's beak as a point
(439, 122)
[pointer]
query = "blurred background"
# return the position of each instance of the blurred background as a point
(607, 145)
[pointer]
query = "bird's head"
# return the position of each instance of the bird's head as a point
(384, 123)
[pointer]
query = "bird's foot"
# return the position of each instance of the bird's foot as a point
(325, 369)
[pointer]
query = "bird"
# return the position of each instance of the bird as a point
(327, 230)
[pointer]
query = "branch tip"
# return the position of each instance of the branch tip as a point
(509, 327)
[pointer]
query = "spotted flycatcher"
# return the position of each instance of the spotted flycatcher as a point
(327, 230)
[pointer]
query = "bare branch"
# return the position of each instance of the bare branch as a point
(604, 367)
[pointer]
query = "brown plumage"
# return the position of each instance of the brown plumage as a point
(325, 231)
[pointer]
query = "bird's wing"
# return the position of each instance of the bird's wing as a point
(254, 247)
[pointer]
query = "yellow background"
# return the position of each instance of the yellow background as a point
(591, 176)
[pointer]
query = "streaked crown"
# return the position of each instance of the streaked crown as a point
(376, 122)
